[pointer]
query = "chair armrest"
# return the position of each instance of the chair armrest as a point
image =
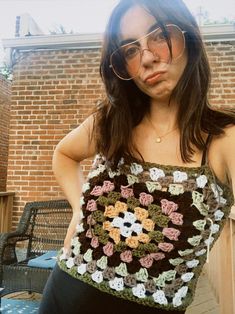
(8, 244)
(9, 240)
(28, 228)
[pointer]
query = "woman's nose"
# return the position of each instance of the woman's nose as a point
(147, 57)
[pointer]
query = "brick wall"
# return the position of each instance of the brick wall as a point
(52, 93)
(5, 92)
(222, 61)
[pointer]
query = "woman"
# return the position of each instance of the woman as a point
(160, 188)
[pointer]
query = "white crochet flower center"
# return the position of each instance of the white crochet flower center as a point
(127, 224)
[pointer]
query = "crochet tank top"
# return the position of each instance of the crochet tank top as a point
(146, 230)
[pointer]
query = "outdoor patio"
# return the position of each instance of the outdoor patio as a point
(51, 93)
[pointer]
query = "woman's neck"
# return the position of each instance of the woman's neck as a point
(162, 115)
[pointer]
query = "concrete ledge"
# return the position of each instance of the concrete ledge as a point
(218, 33)
(67, 41)
(210, 33)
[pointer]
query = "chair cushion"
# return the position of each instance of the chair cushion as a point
(47, 260)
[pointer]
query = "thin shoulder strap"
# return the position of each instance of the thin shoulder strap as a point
(204, 155)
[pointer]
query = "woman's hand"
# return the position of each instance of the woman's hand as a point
(76, 219)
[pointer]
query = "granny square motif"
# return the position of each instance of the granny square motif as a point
(147, 230)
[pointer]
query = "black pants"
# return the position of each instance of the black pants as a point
(64, 294)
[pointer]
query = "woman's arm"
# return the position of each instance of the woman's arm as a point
(70, 151)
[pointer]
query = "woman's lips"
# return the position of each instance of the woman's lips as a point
(152, 79)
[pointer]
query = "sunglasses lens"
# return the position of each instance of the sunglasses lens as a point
(177, 41)
(126, 60)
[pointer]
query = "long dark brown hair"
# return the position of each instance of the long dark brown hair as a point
(126, 105)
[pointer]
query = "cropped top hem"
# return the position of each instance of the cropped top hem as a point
(128, 295)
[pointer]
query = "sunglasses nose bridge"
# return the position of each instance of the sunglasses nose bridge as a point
(145, 46)
(152, 55)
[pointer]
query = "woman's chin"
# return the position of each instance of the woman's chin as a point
(160, 93)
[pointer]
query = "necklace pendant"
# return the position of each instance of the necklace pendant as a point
(158, 140)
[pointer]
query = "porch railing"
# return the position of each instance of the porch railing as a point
(6, 204)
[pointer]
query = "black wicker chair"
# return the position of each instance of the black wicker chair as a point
(42, 227)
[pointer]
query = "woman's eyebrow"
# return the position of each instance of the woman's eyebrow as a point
(130, 40)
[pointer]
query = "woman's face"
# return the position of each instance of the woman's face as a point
(157, 76)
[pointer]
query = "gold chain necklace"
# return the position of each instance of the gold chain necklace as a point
(159, 138)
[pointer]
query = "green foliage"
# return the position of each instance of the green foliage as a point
(6, 71)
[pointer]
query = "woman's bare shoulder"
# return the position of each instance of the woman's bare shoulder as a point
(230, 131)
(226, 141)
(222, 154)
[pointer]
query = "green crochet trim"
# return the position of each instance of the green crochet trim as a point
(167, 168)
(127, 293)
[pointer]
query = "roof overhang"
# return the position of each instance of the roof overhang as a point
(64, 41)
(210, 33)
